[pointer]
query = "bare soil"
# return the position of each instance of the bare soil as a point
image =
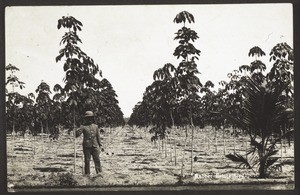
(131, 159)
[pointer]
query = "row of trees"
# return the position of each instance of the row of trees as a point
(258, 103)
(82, 91)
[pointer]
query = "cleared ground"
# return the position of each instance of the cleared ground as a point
(131, 159)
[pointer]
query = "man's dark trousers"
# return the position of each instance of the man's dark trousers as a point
(88, 152)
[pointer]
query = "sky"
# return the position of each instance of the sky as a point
(130, 42)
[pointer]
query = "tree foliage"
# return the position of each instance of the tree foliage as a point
(82, 90)
(172, 86)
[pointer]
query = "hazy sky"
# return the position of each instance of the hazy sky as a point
(130, 42)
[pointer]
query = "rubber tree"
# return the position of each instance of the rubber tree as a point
(282, 72)
(58, 99)
(30, 111)
(158, 104)
(211, 102)
(13, 81)
(167, 97)
(11, 104)
(25, 113)
(44, 103)
(107, 106)
(166, 75)
(173, 84)
(141, 115)
(186, 71)
(80, 70)
(43, 106)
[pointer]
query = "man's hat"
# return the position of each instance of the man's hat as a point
(89, 114)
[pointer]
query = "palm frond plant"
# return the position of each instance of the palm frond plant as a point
(265, 115)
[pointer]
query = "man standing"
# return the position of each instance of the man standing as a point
(91, 142)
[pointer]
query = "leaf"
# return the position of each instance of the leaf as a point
(155, 75)
(256, 144)
(192, 18)
(66, 66)
(58, 58)
(239, 159)
(78, 22)
(271, 161)
(256, 51)
(11, 67)
(59, 24)
(183, 16)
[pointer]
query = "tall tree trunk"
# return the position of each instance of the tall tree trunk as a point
(192, 149)
(284, 145)
(13, 130)
(281, 148)
(109, 135)
(162, 147)
(74, 135)
(170, 149)
(234, 143)
(174, 136)
(33, 145)
(192, 144)
(166, 146)
(183, 152)
(216, 140)
(47, 129)
(224, 144)
(82, 164)
(13, 141)
(172, 119)
(246, 149)
(175, 153)
(42, 133)
(207, 139)
(158, 144)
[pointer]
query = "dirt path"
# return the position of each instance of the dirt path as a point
(130, 156)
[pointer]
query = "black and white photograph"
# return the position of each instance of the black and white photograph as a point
(149, 97)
